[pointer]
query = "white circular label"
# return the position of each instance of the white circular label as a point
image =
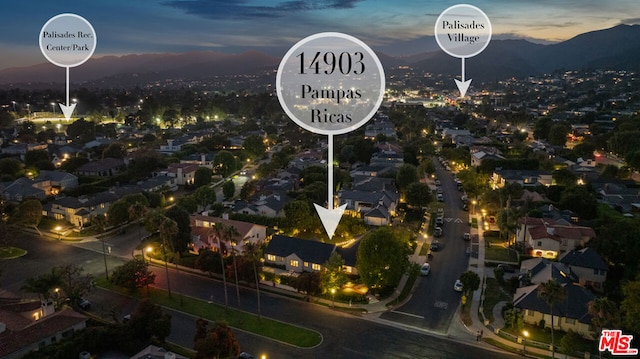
(330, 83)
(463, 31)
(67, 40)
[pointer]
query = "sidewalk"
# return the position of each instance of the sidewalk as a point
(488, 331)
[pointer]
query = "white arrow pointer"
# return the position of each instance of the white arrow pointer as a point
(463, 85)
(67, 109)
(330, 217)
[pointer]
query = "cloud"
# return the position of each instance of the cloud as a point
(222, 9)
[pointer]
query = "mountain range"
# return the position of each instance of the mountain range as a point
(615, 48)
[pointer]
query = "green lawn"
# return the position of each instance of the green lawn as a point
(11, 252)
(270, 328)
(501, 254)
(492, 295)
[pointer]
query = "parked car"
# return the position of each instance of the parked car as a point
(466, 236)
(506, 268)
(457, 286)
(437, 232)
(438, 183)
(435, 245)
(425, 269)
(439, 221)
(245, 355)
(440, 197)
(84, 304)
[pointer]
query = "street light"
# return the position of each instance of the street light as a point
(147, 249)
(524, 342)
(58, 229)
(53, 107)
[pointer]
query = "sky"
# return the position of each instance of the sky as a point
(273, 26)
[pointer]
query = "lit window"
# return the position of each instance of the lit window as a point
(294, 263)
(306, 264)
(271, 257)
(315, 266)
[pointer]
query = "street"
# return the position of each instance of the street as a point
(345, 335)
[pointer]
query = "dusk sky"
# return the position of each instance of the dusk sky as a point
(273, 26)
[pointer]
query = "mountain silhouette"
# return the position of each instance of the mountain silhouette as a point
(616, 48)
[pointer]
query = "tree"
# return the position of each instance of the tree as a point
(309, 282)
(332, 275)
(381, 259)
(202, 177)
(630, 306)
(564, 177)
(208, 261)
(254, 146)
(42, 285)
(253, 253)
(418, 194)
(10, 168)
(74, 283)
(29, 213)
(552, 293)
(205, 196)
(114, 150)
(248, 189)
(133, 274)
(570, 343)
(219, 342)
(297, 214)
(168, 229)
(118, 213)
(225, 163)
(604, 314)
(149, 321)
(34, 157)
(407, 174)
(470, 282)
(228, 189)
(182, 238)
(558, 133)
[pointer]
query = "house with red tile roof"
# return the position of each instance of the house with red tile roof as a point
(548, 238)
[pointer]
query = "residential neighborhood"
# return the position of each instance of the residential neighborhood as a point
(192, 217)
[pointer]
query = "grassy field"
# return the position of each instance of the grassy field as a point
(270, 328)
(11, 252)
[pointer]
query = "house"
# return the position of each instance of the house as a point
(19, 337)
(570, 314)
(105, 167)
(541, 270)
(371, 171)
(158, 183)
(297, 255)
(588, 265)
(548, 238)
(173, 145)
(21, 189)
(264, 205)
(525, 178)
(375, 207)
(387, 158)
(183, 172)
(204, 235)
(53, 182)
(479, 156)
(81, 210)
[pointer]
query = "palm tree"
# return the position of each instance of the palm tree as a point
(252, 250)
(230, 233)
(168, 228)
(604, 313)
(100, 221)
(137, 211)
(552, 292)
(218, 229)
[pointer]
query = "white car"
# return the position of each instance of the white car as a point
(457, 286)
(425, 269)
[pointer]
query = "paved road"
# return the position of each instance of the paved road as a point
(344, 335)
(434, 302)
